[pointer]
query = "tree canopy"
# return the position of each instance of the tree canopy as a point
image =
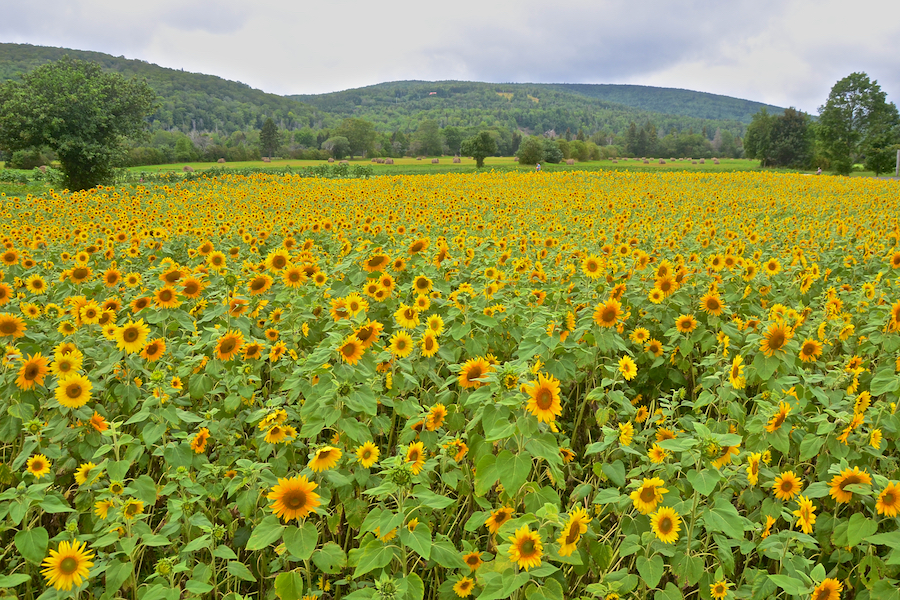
(77, 110)
(480, 147)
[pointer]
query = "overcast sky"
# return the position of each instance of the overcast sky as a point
(783, 52)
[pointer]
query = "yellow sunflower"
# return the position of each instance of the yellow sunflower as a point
(627, 367)
(154, 350)
(83, 473)
(416, 455)
(711, 303)
(325, 458)
(401, 344)
(847, 477)
(777, 335)
(497, 518)
(888, 503)
(429, 344)
(473, 370)
(32, 372)
(648, 495)
(606, 314)
(132, 336)
(368, 333)
(229, 345)
(526, 549)
(166, 297)
(407, 316)
(68, 566)
(666, 524)
(543, 398)
(11, 326)
(572, 530)
(806, 514)
(810, 350)
(436, 416)
(351, 350)
(463, 587)
(367, 454)
(38, 465)
(719, 589)
(787, 485)
(293, 498)
(686, 323)
(829, 589)
(73, 391)
(736, 373)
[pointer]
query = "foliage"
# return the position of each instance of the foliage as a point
(531, 151)
(657, 406)
(786, 140)
(87, 129)
(855, 121)
(269, 138)
(338, 146)
(480, 147)
(360, 135)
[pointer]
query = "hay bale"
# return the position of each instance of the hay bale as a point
(693, 162)
(221, 161)
(646, 162)
(389, 161)
(516, 159)
(187, 169)
(715, 161)
(615, 162)
(662, 161)
(380, 161)
(702, 161)
(266, 159)
(435, 161)
(570, 161)
(456, 160)
(345, 162)
(331, 160)
(374, 160)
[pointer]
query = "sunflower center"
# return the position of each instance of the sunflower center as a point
(258, 284)
(665, 525)
(73, 390)
(152, 349)
(777, 340)
(888, 499)
(647, 495)
(544, 399)
(7, 327)
(295, 500)
(851, 479)
(429, 343)
(80, 273)
(279, 262)
(68, 565)
(130, 334)
(413, 456)
(608, 315)
(366, 454)
(787, 486)
(348, 350)
(31, 371)
(227, 346)
(474, 373)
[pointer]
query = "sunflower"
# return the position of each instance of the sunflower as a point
(294, 276)
(229, 345)
(572, 530)
(132, 508)
(435, 324)
(806, 514)
(473, 370)
(139, 304)
(723, 455)
(473, 559)
(11, 325)
(367, 454)
(416, 455)
(719, 589)
(278, 434)
(407, 316)
(65, 364)
(237, 307)
(277, 351)
(278, 259)
(293, 498)
(101, 508)
(38, 465)
(810, 350)
(753, 468)
(686, 323)
(351, 350)
(648, 495)
(847, 477)
(497, 518)
(654, 347)
(736, 373)
(83, 472)
(32, 372)
(253, 351)
(638, 336)
(655, 296)
(34, 284)
(154, 350)
(325, 458)
(429, 344)
(436, 416)
(626, 433)
(401, 344)
(787, 485)
(356, 304)
(132, 336)
(198, 443)
(526, 549)
(888, 503)
(777, 335)
(627, 367)
(711, 303)
(778, 418)
(80, 274)
(608, 313)
(98, 422)
(368, 332)
(543, 398)
(829, 589)
(68, 566)
(377, 262)
(592, 266)
(422, 284)
(73, 391)
(463, 587)
(7, 293)
(666, 524)
(259, 284)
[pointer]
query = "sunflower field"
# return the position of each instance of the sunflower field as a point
(505, 385)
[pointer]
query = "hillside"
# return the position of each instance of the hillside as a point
(188, 100)
(536, 107)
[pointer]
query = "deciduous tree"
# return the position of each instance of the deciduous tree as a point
(479, 147)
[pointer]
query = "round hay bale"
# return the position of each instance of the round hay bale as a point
(693, 162)
(331, 160)
(266, 159)
(662, 161)
(380, 161)
(435, 161)
(715, 161)
(187, 169)
(646, 162)
(221, 161)
(570, 161)
(389, 161)
(516, 159)
(345, 162)
(374, 160)
(702, 161)
(456, 160)
(43, 168)
(615, 162)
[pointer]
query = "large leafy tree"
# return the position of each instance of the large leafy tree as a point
(785, 140)
(360, 134)
(80, 112)
(269, 138)
(856, 122)
(480, 147)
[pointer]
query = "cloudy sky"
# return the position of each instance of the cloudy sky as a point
(783, 52)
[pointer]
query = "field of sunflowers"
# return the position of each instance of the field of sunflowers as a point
(505, 385)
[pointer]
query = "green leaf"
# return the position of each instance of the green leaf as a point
(859, 528)
(266, 533)
(725, 518)
(330, 558)
(513, 470)
(116, 574)
(10, 581)
(415, 587)
(792, 586)
(430, 499)
(818, 489)
(885, 380)
(704, 481)
(810, 446)
(197, 544)
(615, 471)
(301, 541)
(240, 570)
(486, 474)
(198, 587)
(374, 555)
(892, 539)
(445, 554)
(670, 593)
(32, 544)
(145, 489)
(289, 586)
(55, 504)
(651, 570)
(419, 539)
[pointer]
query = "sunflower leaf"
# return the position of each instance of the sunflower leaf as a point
(265, 534)
(32, 544)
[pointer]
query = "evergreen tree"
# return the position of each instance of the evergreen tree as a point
(269, 138)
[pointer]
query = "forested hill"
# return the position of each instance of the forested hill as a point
(537, 107)
(187, 100)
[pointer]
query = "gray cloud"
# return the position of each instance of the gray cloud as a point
(786, 53)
